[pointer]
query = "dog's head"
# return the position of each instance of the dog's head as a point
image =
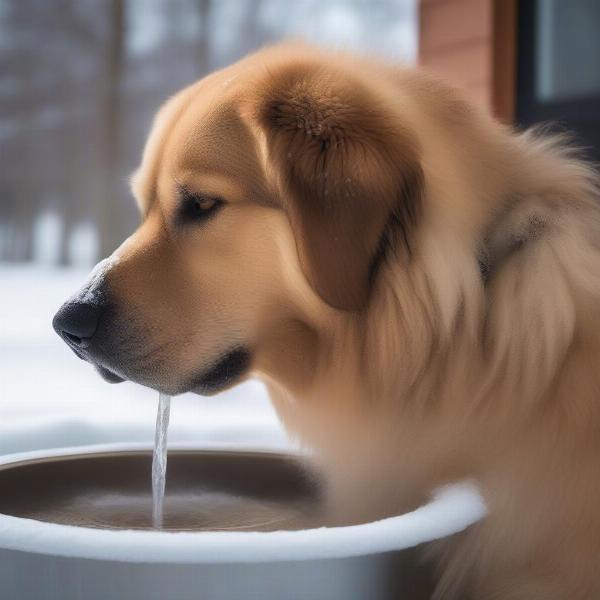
(270, 192)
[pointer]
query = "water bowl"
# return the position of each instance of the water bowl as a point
(238, 523)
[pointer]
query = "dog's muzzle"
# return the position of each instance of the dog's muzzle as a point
(77, 321)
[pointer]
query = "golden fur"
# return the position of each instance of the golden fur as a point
(419, 287)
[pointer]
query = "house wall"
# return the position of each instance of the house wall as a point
(472, 43)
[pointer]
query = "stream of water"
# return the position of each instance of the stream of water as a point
(159, 459)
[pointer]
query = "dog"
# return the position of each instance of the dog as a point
(417, 285)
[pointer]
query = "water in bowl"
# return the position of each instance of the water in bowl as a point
(159, 459)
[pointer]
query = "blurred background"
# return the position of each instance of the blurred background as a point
(80, 81)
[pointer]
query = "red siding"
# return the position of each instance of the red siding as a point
(472, 44)
(455, 41)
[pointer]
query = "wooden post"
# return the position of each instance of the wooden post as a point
(472, 44)
(504, 59)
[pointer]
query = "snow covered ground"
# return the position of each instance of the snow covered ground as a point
(49, 398)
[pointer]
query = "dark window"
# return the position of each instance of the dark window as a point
(559, 68)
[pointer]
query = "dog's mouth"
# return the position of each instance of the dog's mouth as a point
(109, 375)
(224, 372)
(81, 352)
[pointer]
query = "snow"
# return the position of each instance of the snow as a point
(47, 231)
(49, 398)
(84, 244)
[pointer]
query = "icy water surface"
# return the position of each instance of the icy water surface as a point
(159, 459)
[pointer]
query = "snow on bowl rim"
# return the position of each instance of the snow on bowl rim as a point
(452, 509)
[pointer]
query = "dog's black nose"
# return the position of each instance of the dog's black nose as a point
(76, 322)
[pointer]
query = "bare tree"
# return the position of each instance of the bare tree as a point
(110, 226)
(204, 45)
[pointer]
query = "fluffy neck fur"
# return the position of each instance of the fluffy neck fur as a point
(478, 356)
(447, 361)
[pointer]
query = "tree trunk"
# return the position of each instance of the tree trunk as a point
(111, 228)
(204, 58)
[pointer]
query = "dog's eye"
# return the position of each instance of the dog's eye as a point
(198, 208)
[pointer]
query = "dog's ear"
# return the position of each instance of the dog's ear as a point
(348, 174)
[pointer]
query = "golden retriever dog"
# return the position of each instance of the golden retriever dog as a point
(418, 286)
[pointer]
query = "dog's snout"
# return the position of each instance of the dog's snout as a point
(77, 321)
